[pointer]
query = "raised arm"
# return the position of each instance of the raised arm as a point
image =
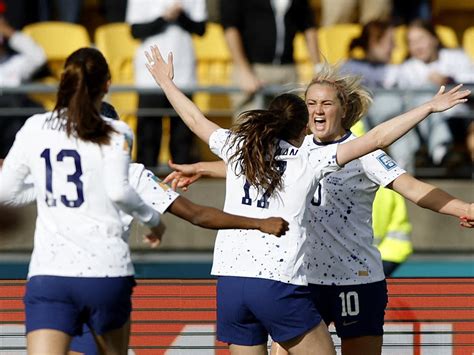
(431, 197)
(212, 218)
(388, 132)
(162, 72)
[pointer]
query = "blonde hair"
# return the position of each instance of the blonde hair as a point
(354, 98)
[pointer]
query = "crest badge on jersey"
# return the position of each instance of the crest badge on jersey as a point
(387, 162)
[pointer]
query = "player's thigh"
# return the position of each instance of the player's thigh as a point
(114, 342)
(365, 345)
(315, 342)
(47, 341)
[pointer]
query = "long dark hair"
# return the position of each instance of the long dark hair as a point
(256, 139)
(83, 83)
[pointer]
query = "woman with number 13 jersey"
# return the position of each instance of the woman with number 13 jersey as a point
(78, 162)
(262, 287)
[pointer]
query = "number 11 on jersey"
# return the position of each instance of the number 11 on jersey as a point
(263, 201)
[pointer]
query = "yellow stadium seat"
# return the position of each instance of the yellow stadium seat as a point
(213, 67)
(59, 40)
(446, 35)
(115, 41)
(468, 41)
(334, 41)
(400, 50)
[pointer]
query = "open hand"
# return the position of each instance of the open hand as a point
(445, 100)
(182, 176)
(158, 68)
(274, 225)
(467, 221)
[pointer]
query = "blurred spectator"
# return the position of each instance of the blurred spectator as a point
(20, 58)
(428, 67)
(114, 10)
(354, 11)
(406, 11)
(168, 24)
(377, 42)
(260, 38)
(19, 13)
(60, 10)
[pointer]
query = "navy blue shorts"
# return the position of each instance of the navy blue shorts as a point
(84, 343)
(66, 303)
(250, 309)
(356, 310)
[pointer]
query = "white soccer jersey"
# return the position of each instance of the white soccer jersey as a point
(155, 193)
(251, 253)
(79, 231)
(339, 249)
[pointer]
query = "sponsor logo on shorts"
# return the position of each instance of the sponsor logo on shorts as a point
(346, 323)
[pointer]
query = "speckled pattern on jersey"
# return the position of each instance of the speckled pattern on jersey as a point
(250, 253)
(339, 248)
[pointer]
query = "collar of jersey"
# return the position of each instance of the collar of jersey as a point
(342, 139)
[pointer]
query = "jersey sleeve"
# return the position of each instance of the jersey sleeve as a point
(218, 144)
(380, 167)
(16, 169)
(26, 196)
(151, 189)
(116, 157)
(323, 160)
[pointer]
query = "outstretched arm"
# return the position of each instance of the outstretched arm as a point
(388, 132)
(433, 198)
(186, 174)
(212, 218)
(190, 114)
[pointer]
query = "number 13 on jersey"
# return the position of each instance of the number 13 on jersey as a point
(74, 178)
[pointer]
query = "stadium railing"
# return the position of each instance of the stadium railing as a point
(218, 113)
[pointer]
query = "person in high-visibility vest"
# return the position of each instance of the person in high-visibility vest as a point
(392, 229)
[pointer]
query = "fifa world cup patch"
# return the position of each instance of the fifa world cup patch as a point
(387, 162)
